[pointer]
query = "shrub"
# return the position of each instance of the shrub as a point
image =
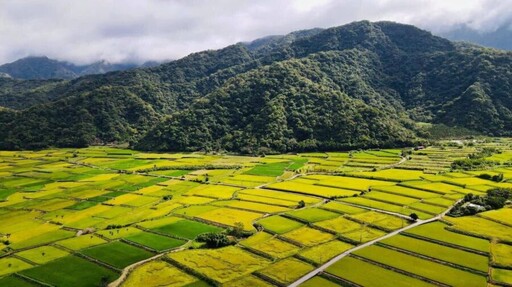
(214, 240)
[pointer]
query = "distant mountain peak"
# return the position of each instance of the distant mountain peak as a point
(500, 38)
(42, 68)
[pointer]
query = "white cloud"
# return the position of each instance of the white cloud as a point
(140, 30)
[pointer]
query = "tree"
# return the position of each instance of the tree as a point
(413, 216)
(301, 204)
(104, 281)
(213, 240)
(238, 230)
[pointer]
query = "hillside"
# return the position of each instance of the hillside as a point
(358, 85)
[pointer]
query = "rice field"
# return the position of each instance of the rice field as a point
(482, 227)
(229, 216)
(158, 273)
(81, 242)
(437, 231)
(308, 188)
(440, 252)
(117, 254)
(221, 265)
(71, 271)
(155, 241)
(272, 246)
(286, 271)
(308, 236)
(312, 214)
(367, 274)
(500, 254)
(43, 254)
(424, 268)
(324, 252)
(279, 224)
(66, 224)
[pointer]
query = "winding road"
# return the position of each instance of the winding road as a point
(342, 255)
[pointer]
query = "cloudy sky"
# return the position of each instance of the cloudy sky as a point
(140, 30)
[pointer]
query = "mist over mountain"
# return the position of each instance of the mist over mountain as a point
(500, 38)
(41, 68)
(358, 85)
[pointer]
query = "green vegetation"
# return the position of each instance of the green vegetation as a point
(11, 265)
(279, 224)
(313, 214)
(117, 254)
(286, 271)
(15, 282)
(269, 169)
(437, 251)
(422, 267)
(360, 85)
(71, 271)
(493, 199)
(214, 240)
(187, 229)
(155, 241)
(42, 254)
(437, 231)
(266, 231)
(366, 274)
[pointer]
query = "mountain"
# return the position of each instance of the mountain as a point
(359, 85)
(501, 38)
(40, 68)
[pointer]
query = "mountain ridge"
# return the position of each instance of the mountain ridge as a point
(44, 68)
(372, 80)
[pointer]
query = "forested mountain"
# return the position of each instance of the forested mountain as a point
(41, 68)
(359, 85)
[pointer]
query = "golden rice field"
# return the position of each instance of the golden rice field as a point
(88, 210)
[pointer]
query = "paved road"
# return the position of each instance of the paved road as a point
(339, 257)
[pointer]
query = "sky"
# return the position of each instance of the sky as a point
(140, 30)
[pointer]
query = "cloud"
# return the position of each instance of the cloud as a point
(141, 30)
